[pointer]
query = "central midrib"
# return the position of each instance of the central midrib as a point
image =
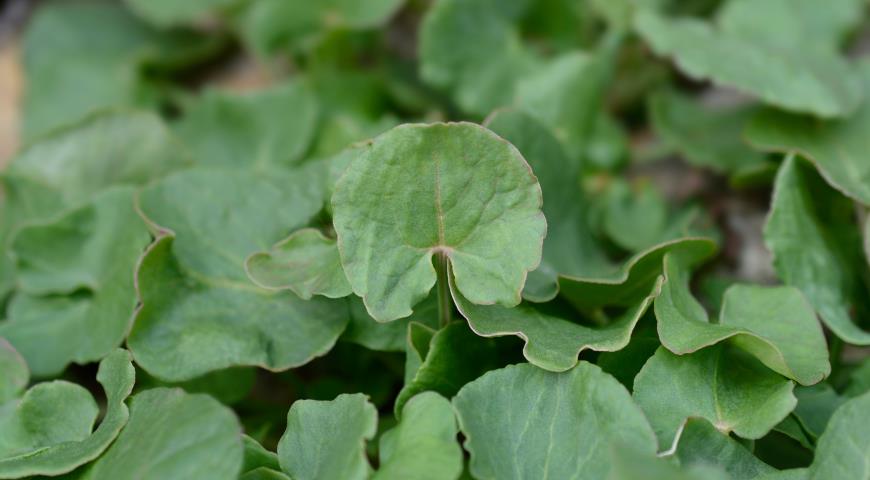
(439, 211)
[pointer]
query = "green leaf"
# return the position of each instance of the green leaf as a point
(190, 324)
(91, 49)
(453, 356)
(75, 275)
(553, 341)
(775, 324)
(835, 147)
(524, 422)
(473, 49)
(167, 13)
(72, 164)
(327, 439)
(454, 189)
(844, 448)
(256, 456)
(15, 372)
(793, 78)
(774, 22)
(423, 445)
(729, 388)
(251, 129)
(570, 247)
(859, 380)
(173, 434)
(815, 406)
(306, 262)
(705, 137)
(817, 248)
(218, 220)
(700, 443)
(630, 465)
(270, 25)
(634, 279)
(51, 425)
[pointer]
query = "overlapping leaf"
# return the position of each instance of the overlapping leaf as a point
(217, 220)
(49, 430)
(75, 277)
(775, 324)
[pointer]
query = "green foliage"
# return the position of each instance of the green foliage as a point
(412, 239)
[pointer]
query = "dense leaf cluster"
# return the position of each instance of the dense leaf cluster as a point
(437, 240)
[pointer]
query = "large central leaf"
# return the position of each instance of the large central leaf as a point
(454, 189)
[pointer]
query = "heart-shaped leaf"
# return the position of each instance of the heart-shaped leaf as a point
(453, 189)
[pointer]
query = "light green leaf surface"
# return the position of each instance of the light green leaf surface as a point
(456, 189)
(75, 275)
(173, 434)
(700, 443)
(167, 13)
(775, 324)
(838, 147)
(92, 49)
(570, 247)
(793, 78)
(269, 127)
(729, 388)
(815, 406)
(817, 248)
(629, 465)
(326, 440)
(704, 136)
(632, 281)
(15, 373)
(552, 341)
(452, 357)
(306, 262)
(473, 49)
(815, 25)
(524, 422)
(50, 428)
(256, 456)
(423, 446)
(73, 164)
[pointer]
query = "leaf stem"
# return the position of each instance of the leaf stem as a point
(445, 303)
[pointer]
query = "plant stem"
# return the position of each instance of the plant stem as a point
(445, 303)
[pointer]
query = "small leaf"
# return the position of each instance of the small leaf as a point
(93, 248)
(729, 388)
(776, 324)
(423, 445)
(524, 422)
(306, 262)
(796, 79)
(455, 189)
(173, 434)
(256, 456)
(327, 439)
(553, 342)
(50, 414)
(232, 129)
